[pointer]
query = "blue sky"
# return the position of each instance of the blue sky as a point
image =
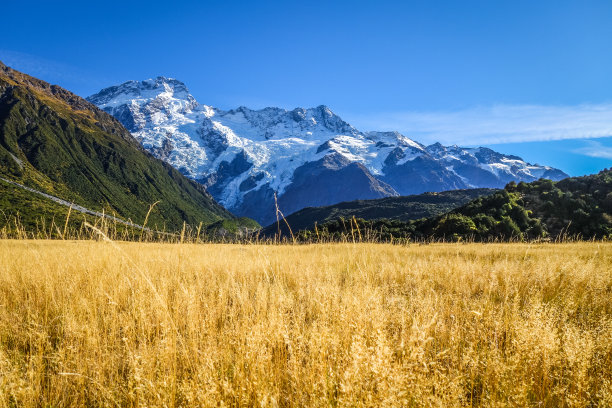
(525, 77)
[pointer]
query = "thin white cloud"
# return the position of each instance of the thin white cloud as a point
(595, 149)
(497, 124)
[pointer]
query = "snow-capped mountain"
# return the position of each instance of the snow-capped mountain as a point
(308, 157)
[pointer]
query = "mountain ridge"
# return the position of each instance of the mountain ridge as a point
(245, 156)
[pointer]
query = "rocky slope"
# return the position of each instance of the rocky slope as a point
(308, 157)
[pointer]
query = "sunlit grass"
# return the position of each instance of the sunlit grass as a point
(142, 324)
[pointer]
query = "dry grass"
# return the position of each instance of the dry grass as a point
(133, 324)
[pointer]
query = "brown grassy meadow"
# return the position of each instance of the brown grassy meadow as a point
(141, 324)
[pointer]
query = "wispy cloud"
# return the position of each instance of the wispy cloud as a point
(497, 124)
(595, 149)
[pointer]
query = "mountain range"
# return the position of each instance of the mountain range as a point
(59, 145)
(252, 160)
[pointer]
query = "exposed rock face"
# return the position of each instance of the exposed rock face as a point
(309, 157)
(334, 179)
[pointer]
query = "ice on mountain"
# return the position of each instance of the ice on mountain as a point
(196, 138)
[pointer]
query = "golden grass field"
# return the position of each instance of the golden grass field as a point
(141, 324)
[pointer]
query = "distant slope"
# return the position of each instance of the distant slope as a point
(576, 207)
(57, 142)
(404, 208)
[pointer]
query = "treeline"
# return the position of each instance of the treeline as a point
(576, 208)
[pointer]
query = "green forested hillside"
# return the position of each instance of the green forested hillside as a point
(56, 142)
(576, 207)
(404, 208)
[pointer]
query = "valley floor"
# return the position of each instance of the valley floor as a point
(126, 324)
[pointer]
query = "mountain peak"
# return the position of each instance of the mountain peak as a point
(324, 109)
(164, 82)
(146, 89)
(323, 115)
(435, 148)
